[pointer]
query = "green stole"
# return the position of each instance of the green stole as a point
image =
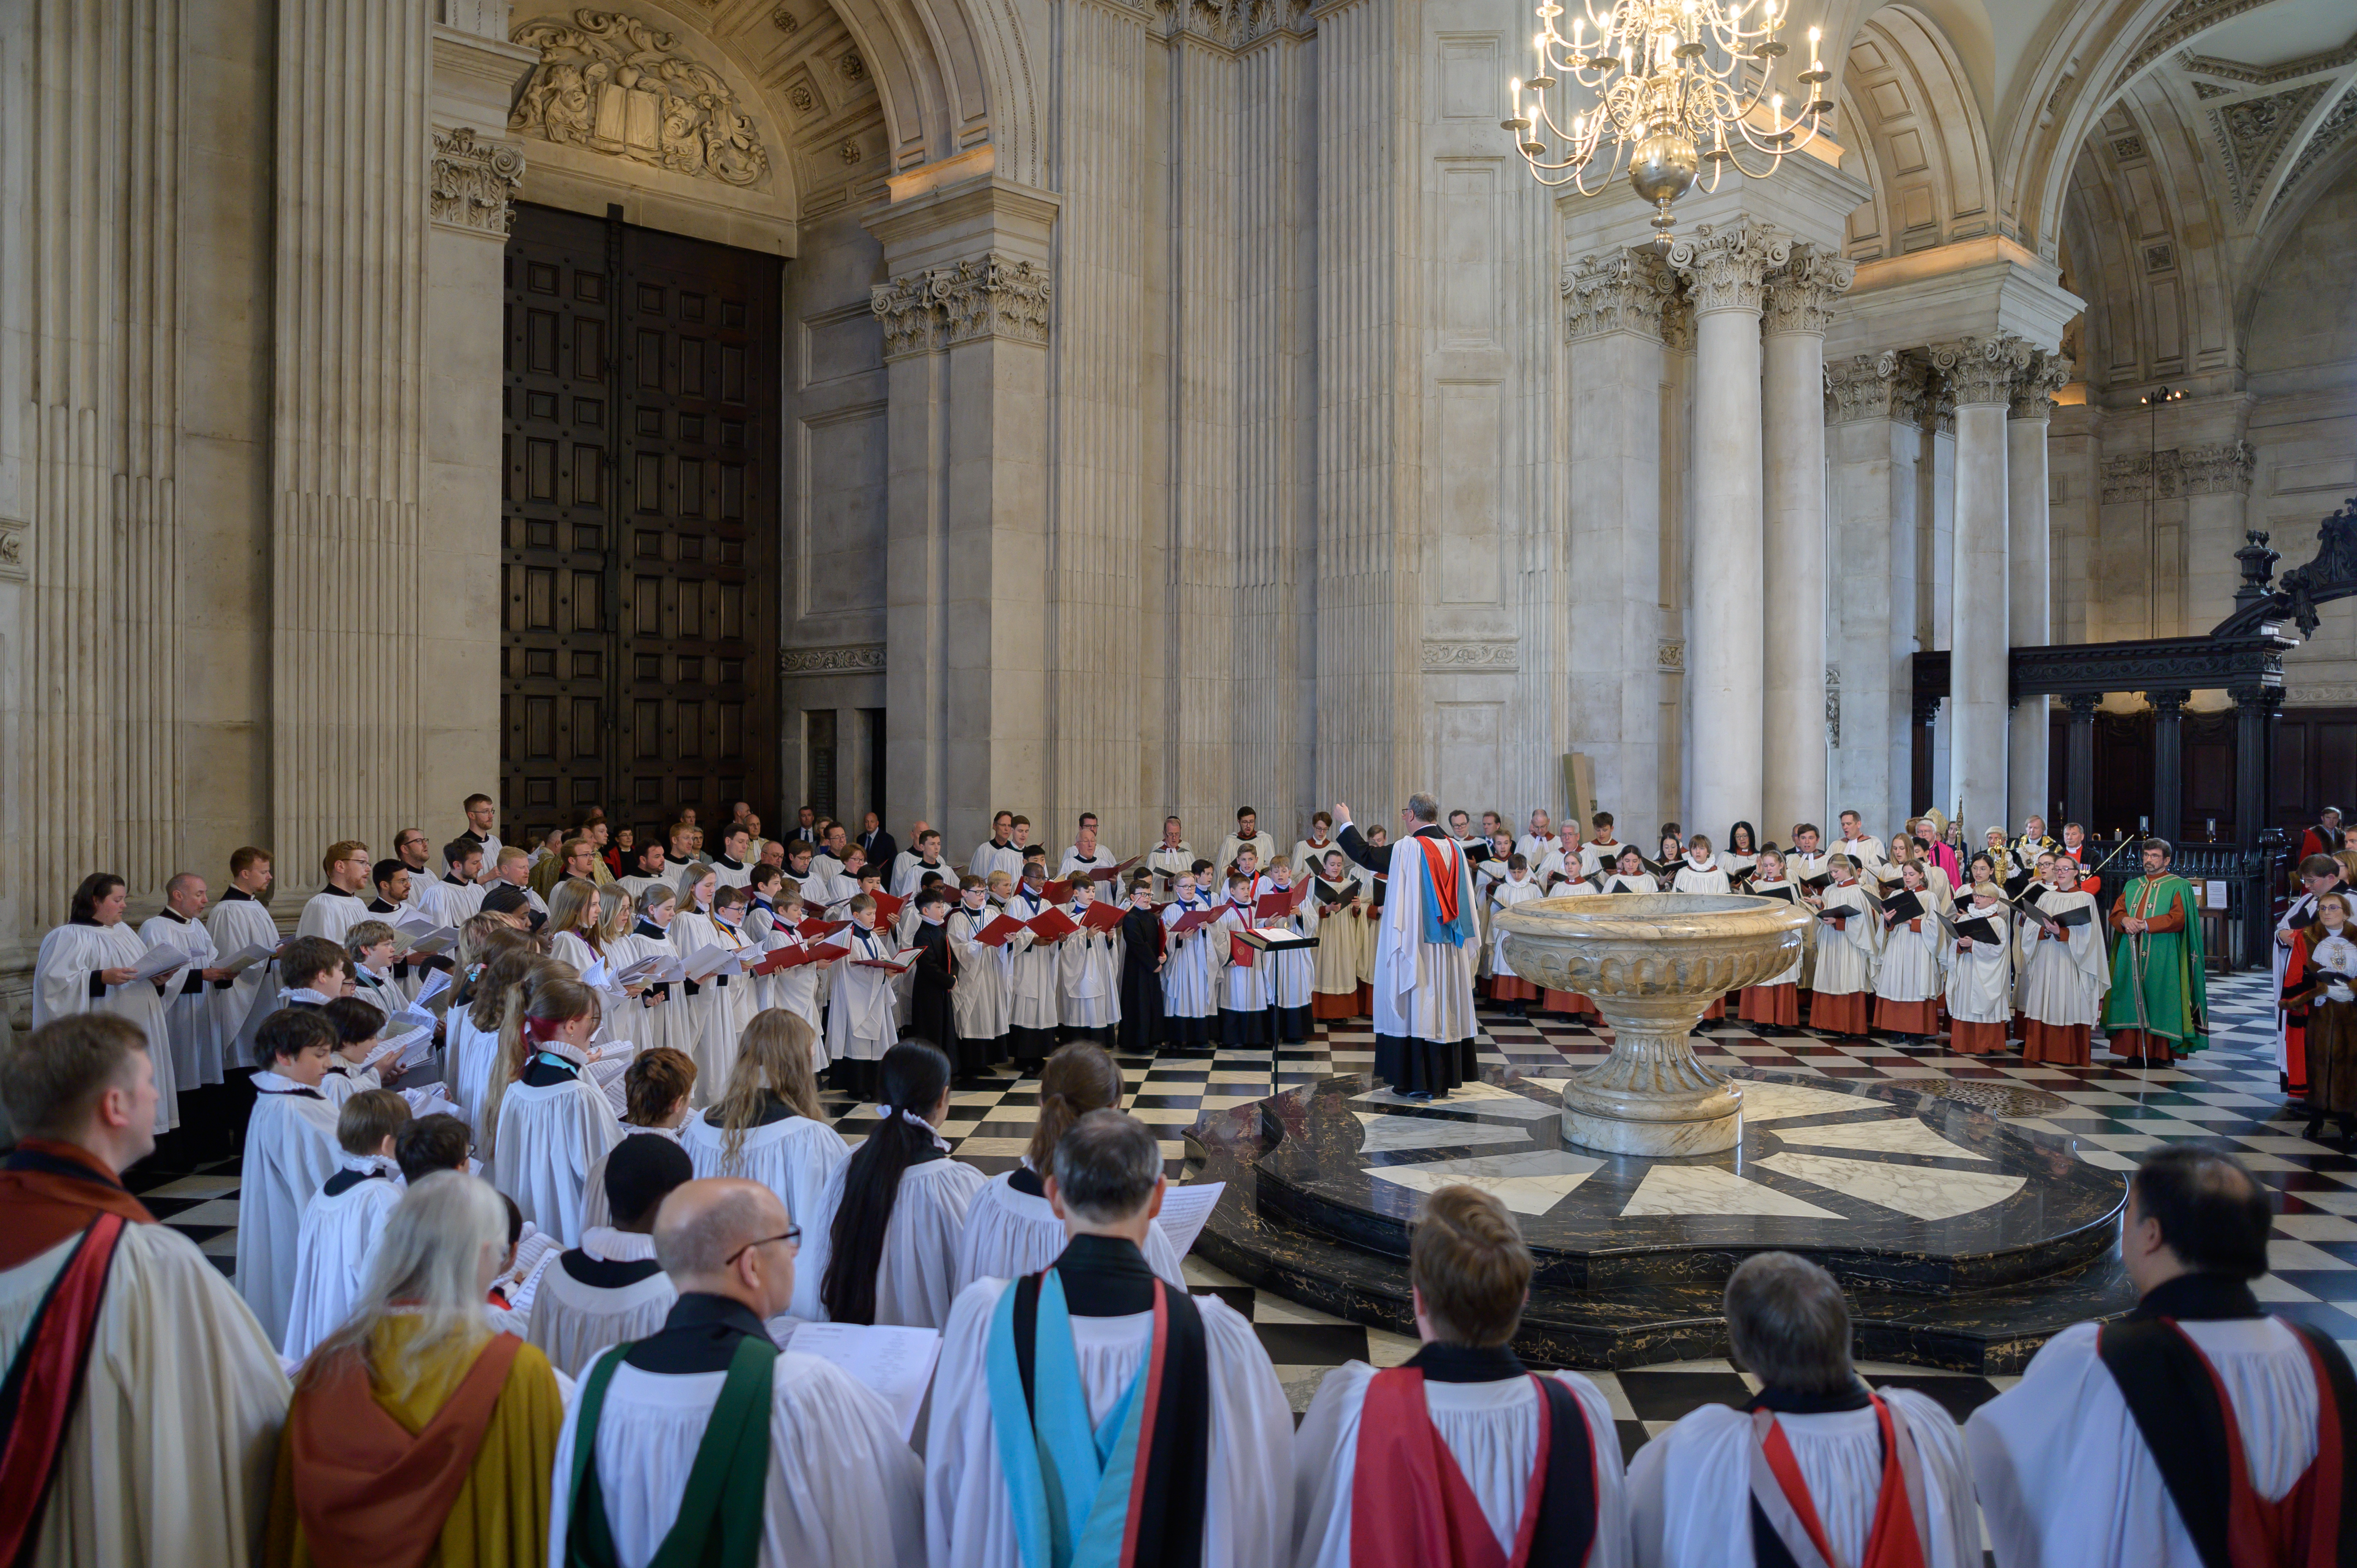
(722, 1506)
(2173, 1002)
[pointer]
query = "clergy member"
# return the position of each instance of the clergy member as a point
(156, 1448)
(2193, 1430)
(2159, 1005)
(1818, 1468)
(1425, 953)
(1385, 1461)
(1032, 1370)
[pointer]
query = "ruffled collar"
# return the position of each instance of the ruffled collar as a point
(608, 1245)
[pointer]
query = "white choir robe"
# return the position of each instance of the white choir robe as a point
(1243, 987)
(1980, 977)
(470, 1056)
(2063, 983)
(70, 959)
(652, 1023)
(1847, 959)
(1189, 972)
(571, 1320)
(915, 1279)
(1692, 878)
(1690, 1488)
(1866, 851)
(1911, 962)
(548, 1139)
(1087, 865)
(909, 874)
(236, 923)
(862, 1020)
(1247, 1491)
(796, 1158)
(1009, 1234)
(167, 1458)
(1492, 1431)
(737, 875)
(1641, 882)
(843, 1489)
(1309, 859)
(332, 1249)
(381, 992)
(1792, 975)
(343, 1081)
(709, 1023)
(795, 991)
(188, 1019)
(453, 903)
(571, 947)
(2065, 1478)
(1264, 848)
(1508, 894)
(637, 883)
(1169, 863)
(1293, 974)
(1734, 863)
(330, 913)
(1088, 977)
(1424, 991)
(1034, 968)
(978, 986)
(290, 1152)
(596, 1210)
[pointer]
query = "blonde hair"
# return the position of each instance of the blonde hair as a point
(621, 914)
(427, 1267)
(364, 936)
(773, 1056)
(654, 897)
(565, 910)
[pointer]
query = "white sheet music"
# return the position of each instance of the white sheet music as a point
(897, 1363)
(1185, 1211)
(436, 985)
(157, 962)
(245, 958)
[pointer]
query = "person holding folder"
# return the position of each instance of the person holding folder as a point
(1190, 998)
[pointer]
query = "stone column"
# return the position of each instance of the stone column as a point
(1981, 370)
(1613, 304)
(1874, 406)
(1798, 302)
(965, 320)
(1726, 267)
(2079, 765)
(2216, 481)
(2168, 761)
(2030, 569)
(2256, 709)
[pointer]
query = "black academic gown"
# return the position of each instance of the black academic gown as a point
(930, 1016)
(1141, 983)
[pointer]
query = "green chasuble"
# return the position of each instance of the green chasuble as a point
(2157, 983)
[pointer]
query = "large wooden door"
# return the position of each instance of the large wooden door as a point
(639, 559)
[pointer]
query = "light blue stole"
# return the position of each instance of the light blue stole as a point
(1069, 1486)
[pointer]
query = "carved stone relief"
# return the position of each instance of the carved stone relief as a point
(474, 183)
(983, 297)
(611, 83)
(12, 549)
(848, 659)
(1440, 657)
(1616, 291)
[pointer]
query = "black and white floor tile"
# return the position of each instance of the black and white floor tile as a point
(2228, 1094)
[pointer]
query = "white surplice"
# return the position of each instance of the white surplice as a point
(240, 922)
(652, 1019)
(332, 1249)
(1492, 1430)
(1424, 991)
(2066, 1479)
(1980, 977)
(1010, 1233)
(573, 1319)
(1088, 977)
(168, 1456)
(1189, 972)
(470, 1055)
(843, 1489)
(1847, 959)
(1690, 1490)
(1248, 1492)
(710, 1024)
(1506, 895)
(862, 1020)
(1032, 969)
(978, 988)
(1910, 968)
(1692, 878)
(794, 1158)
(548, 1139)
(2063, 982)
(290, 1152)
(916, 1278)
(71, 959)
(188, 1019)
(331, 913)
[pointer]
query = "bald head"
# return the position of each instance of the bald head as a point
(725, 1236)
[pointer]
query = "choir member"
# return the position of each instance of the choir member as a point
(978, 1001)
(1980, 978)
(1088, 974)
(470, 1048)
(1209, 1480)
(1244, 1019)
(1310, 853)
(405, 874)
(2318, 982)
(1192, 972)
(1532, 846)
(313, 972)
(1032, 975)
(862, 1017)
(1141, 970)
(1291, 973)
(702, 1443)
(156, 1448)
(643, 870)
(460, 892)
(2192, 1431)
(1084, 857)
(358, 1025)
(1173, 856)
(1774, 1003)
(909, 870)
(1519, 887)
(417, 1434)
(1673, 847)
(340, 904)
(1012, 1229)
(91, 964)
(240, 920)
(1741, 853)
(622, 853)
(732, 866)
(1340, 906)
(2063, 977)
(736, 992)
(290, 1152)
(1424, 959)
(1807, 861)
(482, 812)
(552, 1122)
(1940, 891)
(609, 1290)
(705, 1024)
(996, 853)
(932, 1012)
(576, 917)
(1247, 836)
(1848, 945)
(769, 1127)
(1601, 839)
(658, 1097)
(1629, 873)
(189, 1024)
(1908, 984)
(1837, 1484)
(1863, 848)
(1385, 1461)
(369, 949)
(884, 1234)
(340, 1224)
(1698, 872)
(514, 870)
(1569, 1004)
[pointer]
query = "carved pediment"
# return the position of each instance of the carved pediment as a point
(611, 83)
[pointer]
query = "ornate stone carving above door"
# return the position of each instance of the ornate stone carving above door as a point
(611, 83)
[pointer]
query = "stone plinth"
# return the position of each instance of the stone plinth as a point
(1652, 963)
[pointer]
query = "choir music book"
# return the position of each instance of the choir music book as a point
(1103, 915)
(1349, 892)
(897, 963)
(705, 963)
(995, 933)
(777, 959)
(1185, 1211)
(437, 983)
(1279, 902)
(888, 908)
(818, 929)
(157, 962)
(1819, 882)
(245, 958)
(1056, 892)
(894, 1363)
(1903, 904)
(1980, 929)
(1196, 919)
(1785, 892)
(411, 1045)
(1107, 873)
(1052, 925)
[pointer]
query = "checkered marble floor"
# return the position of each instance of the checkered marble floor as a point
(2227, 1094)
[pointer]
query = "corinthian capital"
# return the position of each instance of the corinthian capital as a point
(2034, 389)
(1801, 297)
(1726, 265)
(1616, 291)
(1982, 370)
(1873, 386)
(993, 296)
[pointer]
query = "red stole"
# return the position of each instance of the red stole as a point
(1897, 1537)
(53, 1190)
(1445, 888)
(44, 1383)
(1410, 1505)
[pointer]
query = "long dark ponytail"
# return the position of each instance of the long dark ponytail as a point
(914, 1074)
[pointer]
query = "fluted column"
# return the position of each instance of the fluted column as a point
(1874, 411)
(1799, 304)
(1981, 372)
(1726, 267)
(2029, 571)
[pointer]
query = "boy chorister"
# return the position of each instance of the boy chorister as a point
(1190, 971)
(1088, 974)
(861, 1022)
(1291, 973)
(1774, 1003)
(1243, 986)
(931, 1015)
(794, 990)
(1141, 970)
(1517, 888)
(370, 946)
(1698, 871)
(1340, 907)
(978, 1000)
(1033, 966)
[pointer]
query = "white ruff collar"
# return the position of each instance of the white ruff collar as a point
(608, 1245)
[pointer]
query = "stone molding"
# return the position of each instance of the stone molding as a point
(1726, 265)
(1678, 323)
(1801, 297)
(2166, 475)
(12, 549)
(2034, 389)
(845, 659)
(2307, 697)
(1445, 656)
(1616, 291)
(2218, 470)
(1980, 371)
(1887, 385)
(474, 183)
(1233, 24)
(993, 296)
(1671, 656)
(1832, 706)
(612, 85)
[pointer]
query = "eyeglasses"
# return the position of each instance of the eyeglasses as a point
(792, 1233)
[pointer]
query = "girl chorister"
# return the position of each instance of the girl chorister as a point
(1190, 975)
(1849, 945)
(2064, 974)
(1907, 987)
(1980, 976)
(1339, 904)
(1517, 888)
(1698, 872)
(1774, 1003)
(1630, 875)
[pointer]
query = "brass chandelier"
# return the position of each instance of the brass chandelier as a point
(1670, 86)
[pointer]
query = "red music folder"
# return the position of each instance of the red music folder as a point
(1052, 925)
(995, 933)
(1103, 917)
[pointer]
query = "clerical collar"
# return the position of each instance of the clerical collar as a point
(1466, 1363)
(728, 864)
(1792, 1401)
(174, 916)
(648, 928)
(700, 1334)
(237, 895)
(50, 1157)
(2199, 1297)
(339, 892)
(1105, 1276)
(377, 905)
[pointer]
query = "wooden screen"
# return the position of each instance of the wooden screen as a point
(639, 560)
